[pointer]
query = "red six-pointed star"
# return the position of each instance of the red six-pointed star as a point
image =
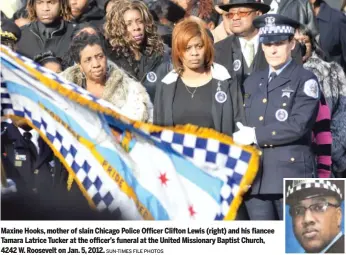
(192, 212)
(163, 179)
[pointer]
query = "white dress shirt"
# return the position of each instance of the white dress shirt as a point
(34, 138)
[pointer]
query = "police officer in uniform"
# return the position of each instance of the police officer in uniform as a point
(280, 109)
(241, 53)
(315, 208)
(28, 160)
(36, 178)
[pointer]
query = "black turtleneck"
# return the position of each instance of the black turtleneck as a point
(46, 30)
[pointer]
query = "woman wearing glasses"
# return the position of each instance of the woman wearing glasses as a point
(198, 91)
(316, 211)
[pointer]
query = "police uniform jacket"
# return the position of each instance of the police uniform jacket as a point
(225, 115)
(31, 171)
(41, 182)
(283, 113)
(338, 246)
(228, 53)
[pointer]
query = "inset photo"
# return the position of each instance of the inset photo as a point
(314, 216)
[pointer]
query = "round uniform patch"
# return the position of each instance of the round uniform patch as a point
(151, 76)
(236, 65)
(311, 88)
(220, 97)
(281, 115)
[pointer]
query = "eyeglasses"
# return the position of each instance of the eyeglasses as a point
(317, 208)
(241, 14)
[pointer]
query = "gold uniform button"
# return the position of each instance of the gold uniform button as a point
(264, 100)
(273, 133)
(260, 153)
(261, 118)
(292, 159)
(271, 146)
(284, 104)
(36, 171)
(265, 145)
(244, 105)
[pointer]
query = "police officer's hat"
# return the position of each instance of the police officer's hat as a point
(9, 30)
(298, 190)
(275, 27)
(256, 4)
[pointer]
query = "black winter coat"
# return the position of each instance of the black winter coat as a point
(225, 115)
(92, 15)
(32, 43)
(146, 71)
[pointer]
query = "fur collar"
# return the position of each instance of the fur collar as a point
(122, 91)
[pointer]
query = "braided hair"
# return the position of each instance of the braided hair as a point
(65, 10)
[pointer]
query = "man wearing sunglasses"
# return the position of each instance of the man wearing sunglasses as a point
(314, 206)
(240, 53)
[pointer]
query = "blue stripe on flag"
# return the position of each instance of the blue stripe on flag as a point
(184, 167)
(148, 200)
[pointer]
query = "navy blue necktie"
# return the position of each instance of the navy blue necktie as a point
(272, 76)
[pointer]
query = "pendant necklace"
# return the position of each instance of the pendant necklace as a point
(191, 93)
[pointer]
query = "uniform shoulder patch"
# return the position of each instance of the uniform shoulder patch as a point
(311, 88)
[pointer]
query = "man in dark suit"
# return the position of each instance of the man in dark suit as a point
(332, 28)
(241, 53)
(316, 214)
(281, 104)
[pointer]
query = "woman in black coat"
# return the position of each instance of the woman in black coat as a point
(135, 44)
(198, 91)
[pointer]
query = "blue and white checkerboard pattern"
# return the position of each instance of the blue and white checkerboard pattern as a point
(231, 161)
(214, 154)
(6, 104)
(268, 30)
(85, 168)
(86, 172)
(315, 184)
(68, 85)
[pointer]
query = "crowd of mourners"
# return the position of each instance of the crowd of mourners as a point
(270, 74)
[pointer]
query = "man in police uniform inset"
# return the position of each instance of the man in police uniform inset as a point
(316, 214)
(280, 110)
